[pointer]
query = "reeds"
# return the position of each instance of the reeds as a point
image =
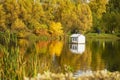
(15, 66)
(10, 61)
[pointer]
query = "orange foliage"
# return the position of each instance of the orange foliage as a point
(41, 46)
(41, 32)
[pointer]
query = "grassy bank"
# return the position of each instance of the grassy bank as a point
(102, 36)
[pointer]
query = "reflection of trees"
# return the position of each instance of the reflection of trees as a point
(36, 63)
(97, 48)
(42, 46)
(55, 48)
(76, 61)
(36, 58)
(91, 58)
(23, 45)
(112, 55)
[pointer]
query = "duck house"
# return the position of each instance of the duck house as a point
(77, 38)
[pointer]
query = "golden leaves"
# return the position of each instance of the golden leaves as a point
(56, 28)
(55, 48)
(18, 25)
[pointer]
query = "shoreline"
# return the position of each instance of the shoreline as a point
(95, 75)
(102, 36)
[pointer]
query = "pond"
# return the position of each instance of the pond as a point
(30, 58)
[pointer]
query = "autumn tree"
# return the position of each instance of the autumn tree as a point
(66, 15)
(84, 17)
(48, 7)
(53, 16)
(18, 25)
(29, 12)
(73, 16)
(98, 8)
(2, 18)
(12, 12)
(56, 28)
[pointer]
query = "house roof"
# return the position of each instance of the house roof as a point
(76, 35)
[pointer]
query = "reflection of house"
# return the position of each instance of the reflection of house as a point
(77, 38)
(77, 48)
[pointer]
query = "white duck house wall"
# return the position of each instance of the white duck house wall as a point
(77, 38)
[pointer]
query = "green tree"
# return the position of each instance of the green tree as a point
(113, 6)
(98, 7)
(112, 17)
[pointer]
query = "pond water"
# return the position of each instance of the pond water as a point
(60, 56)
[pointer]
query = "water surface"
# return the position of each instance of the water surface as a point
(60, 56)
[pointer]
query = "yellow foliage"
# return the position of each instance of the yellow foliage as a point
(2, 18)
(23, 43)
(98, 7)
(56, 28)
(18, 25)
(86, 17)
(35, 24)
(55, 48)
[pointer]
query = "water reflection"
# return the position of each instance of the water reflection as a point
(55, 48)
(111, 55)
(55, 51)
(71, 57)
(77, 48)
(57, 56)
